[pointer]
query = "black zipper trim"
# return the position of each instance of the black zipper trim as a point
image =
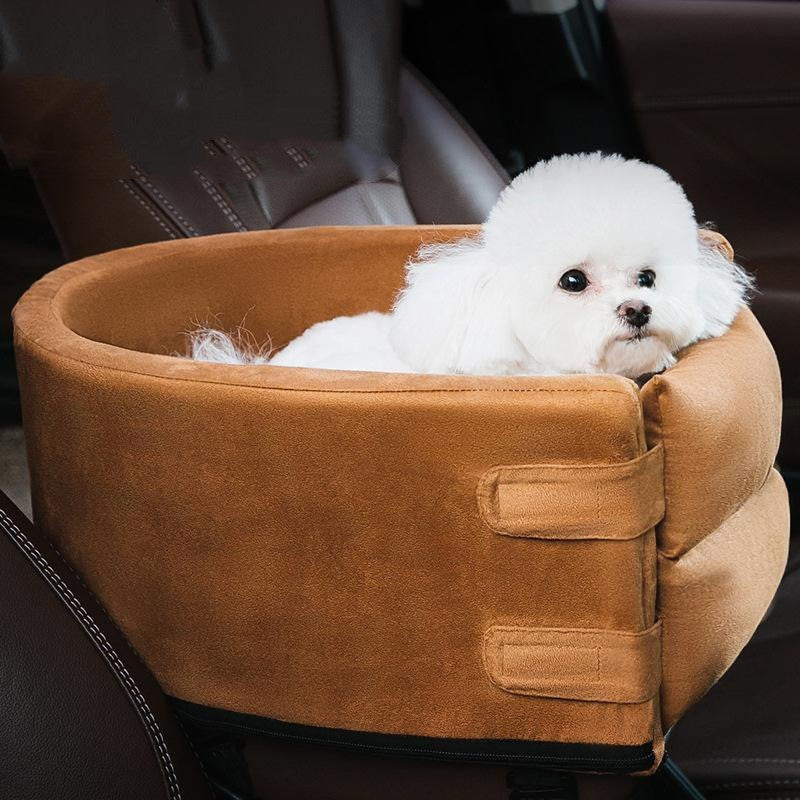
(554, 755)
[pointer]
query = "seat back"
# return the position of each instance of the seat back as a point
(179, 119)
(82, 717)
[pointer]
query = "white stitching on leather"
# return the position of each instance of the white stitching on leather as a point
(238, 158)
(100, 641)
(220, 201)
(148, 209)
(160, 196)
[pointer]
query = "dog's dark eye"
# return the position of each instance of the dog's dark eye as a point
(647, 278)
(573, 280)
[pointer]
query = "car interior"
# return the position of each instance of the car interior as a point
(149, 124)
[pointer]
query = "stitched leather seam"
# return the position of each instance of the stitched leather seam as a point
(79, 580)
(299, 159)
(238, 158)
(220, 201)
(162, 199)
(148, 208)
(110, 655)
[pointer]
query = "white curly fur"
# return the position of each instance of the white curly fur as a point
(210, 344)
(493, 305)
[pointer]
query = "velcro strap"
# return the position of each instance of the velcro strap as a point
(575, 663)
(585, 501)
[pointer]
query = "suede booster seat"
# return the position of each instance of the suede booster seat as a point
(533, 570)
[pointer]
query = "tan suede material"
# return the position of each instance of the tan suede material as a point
(308, 545)
(606, 501)
(717, 413)
(575, 664)
(712, 597)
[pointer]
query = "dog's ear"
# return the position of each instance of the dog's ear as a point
(453, 316)
(716, 241)
(725, 287)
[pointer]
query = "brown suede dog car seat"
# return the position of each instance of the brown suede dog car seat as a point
(536, 570)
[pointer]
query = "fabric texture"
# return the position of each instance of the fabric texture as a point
(309, 545)
(575, 664)
(606, 501)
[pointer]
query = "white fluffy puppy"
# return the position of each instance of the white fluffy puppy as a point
(587, 263)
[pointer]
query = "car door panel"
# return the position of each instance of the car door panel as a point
(714, 86)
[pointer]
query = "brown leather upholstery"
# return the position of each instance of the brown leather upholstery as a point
(714, 87)
(449, 174)
(177, 119)
(28, 249)
(80, 715)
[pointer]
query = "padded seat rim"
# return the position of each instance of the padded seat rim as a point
(38, 320)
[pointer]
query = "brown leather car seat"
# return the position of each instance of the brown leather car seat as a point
(177, 119)
(82, 717)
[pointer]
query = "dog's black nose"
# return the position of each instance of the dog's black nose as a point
(635, 312)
